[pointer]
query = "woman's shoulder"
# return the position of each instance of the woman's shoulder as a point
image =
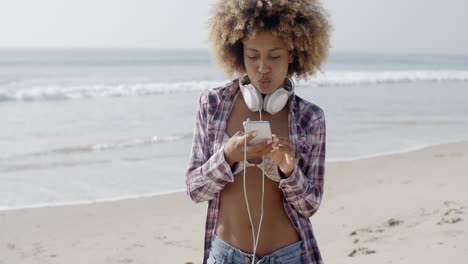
(213, 96)
(307, 112)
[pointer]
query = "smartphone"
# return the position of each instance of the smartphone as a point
(261, 127)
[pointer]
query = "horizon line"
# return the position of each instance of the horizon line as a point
(208, 49)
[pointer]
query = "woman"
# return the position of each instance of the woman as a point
(265, 42)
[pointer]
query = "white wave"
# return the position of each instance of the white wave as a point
(336, 78)
(133, 143)
(55, 92)
(382, 77)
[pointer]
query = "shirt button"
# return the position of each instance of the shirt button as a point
(247, 260)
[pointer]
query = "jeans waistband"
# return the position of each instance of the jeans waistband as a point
(235, 255)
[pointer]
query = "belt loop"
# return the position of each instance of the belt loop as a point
(273, 259)
(230, 255)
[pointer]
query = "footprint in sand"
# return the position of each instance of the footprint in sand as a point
(425, 212)
(452, 214)
(374, 233)
(159, 237)
(361, 251)
(11, 246)
(363, 232)
(38, 249)
(392, 222)
(366, 231)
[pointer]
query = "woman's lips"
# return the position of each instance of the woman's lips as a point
(264, 82)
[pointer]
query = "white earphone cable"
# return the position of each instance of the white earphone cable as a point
(255, 239)
(245, 190)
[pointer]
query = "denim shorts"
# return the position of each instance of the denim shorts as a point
(223, 253)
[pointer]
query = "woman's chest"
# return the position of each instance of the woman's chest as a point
(240, 113)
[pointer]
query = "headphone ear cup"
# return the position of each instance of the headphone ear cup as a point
(252, 98)
(266, 102)
(276, 101)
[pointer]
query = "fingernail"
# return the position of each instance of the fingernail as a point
(254, 134)
(276, 139)
(269, 141)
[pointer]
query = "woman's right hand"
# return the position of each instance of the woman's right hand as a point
(234, 148)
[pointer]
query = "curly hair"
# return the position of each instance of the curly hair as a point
(302, 24)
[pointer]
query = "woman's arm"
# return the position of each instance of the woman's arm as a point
(303, 189)
(207, 174)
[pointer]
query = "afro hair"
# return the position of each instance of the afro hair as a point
(302, 24)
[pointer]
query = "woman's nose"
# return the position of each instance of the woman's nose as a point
(263, 67)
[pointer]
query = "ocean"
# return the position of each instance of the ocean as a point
(89, 125)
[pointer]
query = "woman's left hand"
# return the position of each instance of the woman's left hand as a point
(282, 154)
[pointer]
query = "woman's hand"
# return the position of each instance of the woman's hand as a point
(282, 154)
(234, 148)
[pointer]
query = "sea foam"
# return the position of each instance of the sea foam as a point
(335, 78)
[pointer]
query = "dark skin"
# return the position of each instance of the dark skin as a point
(233, 225)
(266, 60)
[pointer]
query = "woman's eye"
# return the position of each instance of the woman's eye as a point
(256, 57)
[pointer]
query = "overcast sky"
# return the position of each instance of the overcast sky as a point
(390, 26)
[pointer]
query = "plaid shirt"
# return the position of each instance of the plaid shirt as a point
(208, 172)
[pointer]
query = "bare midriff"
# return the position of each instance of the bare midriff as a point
(233, 224)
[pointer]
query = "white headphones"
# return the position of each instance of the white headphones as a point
(272, 103)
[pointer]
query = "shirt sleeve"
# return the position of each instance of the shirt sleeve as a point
(303, 189)
(207, 174)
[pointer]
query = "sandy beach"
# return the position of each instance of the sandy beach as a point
(403, 208)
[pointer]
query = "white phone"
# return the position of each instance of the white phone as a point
(261, 127)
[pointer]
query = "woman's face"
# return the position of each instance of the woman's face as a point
(266, 60)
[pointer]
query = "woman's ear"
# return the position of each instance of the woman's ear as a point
(291, 58)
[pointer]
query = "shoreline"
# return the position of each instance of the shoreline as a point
(165, 193)
(398, 152)
(403, 208)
